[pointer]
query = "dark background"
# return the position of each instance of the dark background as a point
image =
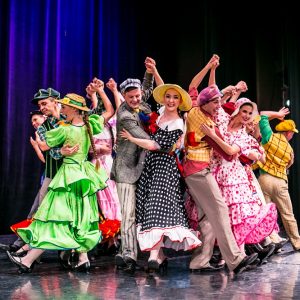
(64, 44)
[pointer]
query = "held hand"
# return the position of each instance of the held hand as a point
(111, 84)
(90, 90)
(125, 134)
(209, 131)
(241, 86)
(68, 150)
(229, 90)
(150, 60)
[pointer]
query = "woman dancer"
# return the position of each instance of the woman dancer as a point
(160, 213)
(68, 216)
(251, 221)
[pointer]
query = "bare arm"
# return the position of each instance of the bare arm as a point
(230, 150)
(212, 73)
(276, 114)
(197, 79)
(37, 149)
(112, 85)
(146, 144)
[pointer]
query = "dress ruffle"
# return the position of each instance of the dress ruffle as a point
(72, 171)
(177, 238)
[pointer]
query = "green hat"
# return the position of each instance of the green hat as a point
(44, 94)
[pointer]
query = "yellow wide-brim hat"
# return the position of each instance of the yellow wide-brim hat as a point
(286, 125)
(74, 100)
(160, 91)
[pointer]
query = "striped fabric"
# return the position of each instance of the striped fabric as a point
(126, 193)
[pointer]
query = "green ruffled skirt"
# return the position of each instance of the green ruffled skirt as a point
(68, 216)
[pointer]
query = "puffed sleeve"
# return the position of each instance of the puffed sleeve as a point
(96, 123)
(56, 136)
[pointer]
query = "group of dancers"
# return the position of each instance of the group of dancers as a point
(183, 176)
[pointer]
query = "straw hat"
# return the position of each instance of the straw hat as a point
(160, 91)
(74, 100)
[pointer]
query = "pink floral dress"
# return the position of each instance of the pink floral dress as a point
(251, 221)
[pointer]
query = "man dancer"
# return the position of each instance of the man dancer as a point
(273, 173)
(205, 191)
(127, 167)
(45, 99)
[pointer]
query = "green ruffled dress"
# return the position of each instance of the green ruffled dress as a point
(68, 217)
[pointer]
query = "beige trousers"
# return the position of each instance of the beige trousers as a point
(216, 223)
(276, 190)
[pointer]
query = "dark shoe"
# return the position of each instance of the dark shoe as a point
(14, 248)
(216, 256)
(154, 266)
(245, 262)
(130, 265)
(19, 254)
(17, 261)
(279, 245)
(253, 248)
(120, 262)
(10, 248)
(4, 247)
(83, 268)
(210, 268)
(266, 253)
(64, 260)
(253, 265)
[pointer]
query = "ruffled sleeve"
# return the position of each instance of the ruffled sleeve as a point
(96, 123)
(56, 136)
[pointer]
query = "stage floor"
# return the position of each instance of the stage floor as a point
(278, 279)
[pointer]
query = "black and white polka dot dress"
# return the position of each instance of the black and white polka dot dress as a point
(160, 213)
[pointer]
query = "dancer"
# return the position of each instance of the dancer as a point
(205, 190)
(250, 220)
(68, 216)
(160, 213)
(273, 177)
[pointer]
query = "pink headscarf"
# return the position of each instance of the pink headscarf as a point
(242, 101)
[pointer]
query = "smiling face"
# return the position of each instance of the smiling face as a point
(212, 106)
(69, 112)
(245, 114)
(47, 106)
(133, 98)
(37, 120)
(172, 100)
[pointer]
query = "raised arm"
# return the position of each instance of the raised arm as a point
(197, 79)
(151, 68)
(276, 114)
(112, 86)
(98, 86)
